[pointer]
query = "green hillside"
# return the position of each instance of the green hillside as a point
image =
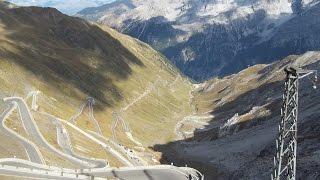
(69, 59)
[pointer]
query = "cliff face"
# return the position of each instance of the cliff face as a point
(236, 120)
(215, 38)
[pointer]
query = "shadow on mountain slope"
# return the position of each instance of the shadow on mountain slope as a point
(175, 151)
(245, 149)
(66, 52)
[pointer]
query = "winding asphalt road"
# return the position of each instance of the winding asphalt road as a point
(104, 145)
(160, 172)
(32, 129)
(64, 142)
(63, 138)
(33, 152)
(134, 159)
(90, 103)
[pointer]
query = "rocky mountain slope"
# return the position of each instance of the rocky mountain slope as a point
(91, 76)
(231, 134)
(214, 38)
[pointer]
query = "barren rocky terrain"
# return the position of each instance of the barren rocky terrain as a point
(236, 140)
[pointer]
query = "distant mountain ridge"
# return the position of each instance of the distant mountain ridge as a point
(212, 38)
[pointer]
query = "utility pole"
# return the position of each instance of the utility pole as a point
(285, 160)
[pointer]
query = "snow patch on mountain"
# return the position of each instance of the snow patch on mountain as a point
(192, 16)
(189, 11)
(206, 38)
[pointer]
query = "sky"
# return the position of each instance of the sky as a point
(69, 7)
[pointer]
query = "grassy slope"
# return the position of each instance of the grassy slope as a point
(69, 59)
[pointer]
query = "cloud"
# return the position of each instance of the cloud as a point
(66, 6)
